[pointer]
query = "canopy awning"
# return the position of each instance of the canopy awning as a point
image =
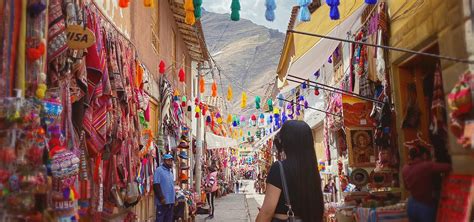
(215, 142)
(310, 53)
(265, 139)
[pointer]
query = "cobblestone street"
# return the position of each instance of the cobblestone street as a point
(236, 207)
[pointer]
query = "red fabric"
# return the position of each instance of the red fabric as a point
(418, 179)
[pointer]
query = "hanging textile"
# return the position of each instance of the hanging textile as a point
(10, 32)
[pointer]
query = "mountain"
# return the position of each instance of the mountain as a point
(247, 55)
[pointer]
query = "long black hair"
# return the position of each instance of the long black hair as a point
(301, 170)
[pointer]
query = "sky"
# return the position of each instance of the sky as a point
(254, 10)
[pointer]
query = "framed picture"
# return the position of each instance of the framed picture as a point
(360, 141)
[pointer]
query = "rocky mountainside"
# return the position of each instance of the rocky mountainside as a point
(246, 53)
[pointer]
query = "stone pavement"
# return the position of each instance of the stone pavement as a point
(241, 207)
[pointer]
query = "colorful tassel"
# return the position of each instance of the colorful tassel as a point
(235, 7)
(208, 119)
(306, 105)
(35, 9)
(244, 100)
(197, 8)
(229, 93)
(162, 67)
(257, 102)
(34, 54)
(316, 91)
(214, 89)
(124, 3)
(371, 2)
(182, 75)
(189, 8)
(270, 11)
(229, 119)
(148, 3)
(334, 11)
(303, 85)
(202, 85)
(270, 105)
(280, 100)
(305, 14)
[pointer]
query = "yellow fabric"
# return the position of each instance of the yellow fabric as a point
(21, 63)
(321, 24)
(296, 45)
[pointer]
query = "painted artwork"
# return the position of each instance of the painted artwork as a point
(356, 112)
(360, 141)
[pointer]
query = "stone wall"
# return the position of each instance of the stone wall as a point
(416, 25)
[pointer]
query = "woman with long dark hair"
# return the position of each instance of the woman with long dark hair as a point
(295, 143)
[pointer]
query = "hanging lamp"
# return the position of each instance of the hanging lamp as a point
(235, 8)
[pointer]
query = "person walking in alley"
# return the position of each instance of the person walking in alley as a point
(298, 174)
(163, 186)
(418, 176)
(237, 187)
(211, 187)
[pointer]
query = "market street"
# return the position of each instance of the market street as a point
(237, 207)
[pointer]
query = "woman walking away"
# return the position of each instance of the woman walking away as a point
(301, 177)
(211, 189)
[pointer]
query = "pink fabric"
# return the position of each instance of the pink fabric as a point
(212, 177)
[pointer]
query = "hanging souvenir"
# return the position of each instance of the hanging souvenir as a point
(162, 67)
(244, 100)
(183, 101)
(197, 8)
(202, 85)
(198, 111)
(182, 75)
(229, 119)
(270, 105)
(124, 3)
(189, 16)
(214, 89)
(280, 100)
(229, 93)
(305, 14)
(235, 7)
(257, 102)
(316, 91)
(148, 3)
(208, 120)
(219, 118)
(334, 10)
(270, 11)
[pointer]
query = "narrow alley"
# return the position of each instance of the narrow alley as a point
(242, 206)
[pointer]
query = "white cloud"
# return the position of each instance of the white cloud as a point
(254, 10)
